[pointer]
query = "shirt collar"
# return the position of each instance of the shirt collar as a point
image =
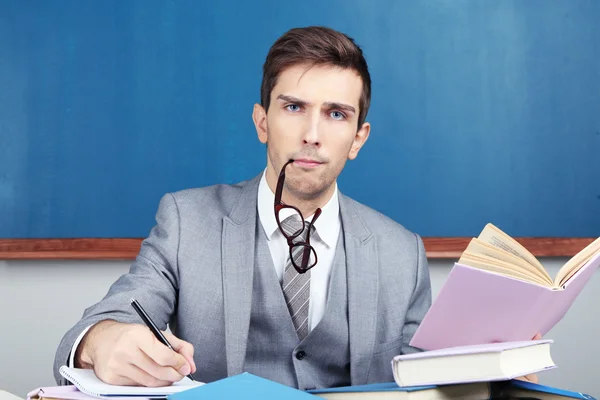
(327, 225)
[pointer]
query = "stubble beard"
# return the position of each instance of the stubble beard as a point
(302, 189)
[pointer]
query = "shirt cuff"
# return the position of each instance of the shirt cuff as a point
(74, 349)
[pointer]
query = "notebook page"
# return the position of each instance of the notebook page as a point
(87, 382)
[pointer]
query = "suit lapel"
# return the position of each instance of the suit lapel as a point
(238, 241)
(363, 278)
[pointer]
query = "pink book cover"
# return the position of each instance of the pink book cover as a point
(481, 307)
(67, 392)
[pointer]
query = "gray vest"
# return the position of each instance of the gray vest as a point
(274, 352)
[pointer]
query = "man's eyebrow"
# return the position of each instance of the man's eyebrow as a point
(341, 106)
(291, 99)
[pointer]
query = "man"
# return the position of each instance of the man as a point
(217, 265)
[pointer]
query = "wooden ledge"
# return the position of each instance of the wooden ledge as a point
(69, 249)
(127, 249)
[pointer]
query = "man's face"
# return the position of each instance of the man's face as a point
(312, 119)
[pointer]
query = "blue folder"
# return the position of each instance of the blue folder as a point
(499, 390)
(249, 386)
(518, 384)
(372, 387)
(242, 386)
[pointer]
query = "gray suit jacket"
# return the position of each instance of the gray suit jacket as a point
(195, 270)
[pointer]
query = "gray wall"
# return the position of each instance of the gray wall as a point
(40, 300)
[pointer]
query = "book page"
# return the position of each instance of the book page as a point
(494, 236)
(494, 265)
(478, 247)
(574, 264)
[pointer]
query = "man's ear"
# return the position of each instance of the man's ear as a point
(359, 140)
(259, 116)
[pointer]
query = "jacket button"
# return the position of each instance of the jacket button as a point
(300, 355)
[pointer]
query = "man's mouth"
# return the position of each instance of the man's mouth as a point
(307, 163)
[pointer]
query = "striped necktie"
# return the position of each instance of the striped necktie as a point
(296, 287)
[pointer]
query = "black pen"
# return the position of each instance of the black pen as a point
(142, 313)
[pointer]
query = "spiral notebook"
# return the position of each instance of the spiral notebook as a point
(87, 382)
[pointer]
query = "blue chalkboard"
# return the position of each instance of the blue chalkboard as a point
(482, 110)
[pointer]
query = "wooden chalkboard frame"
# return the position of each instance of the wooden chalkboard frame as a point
(127, 249)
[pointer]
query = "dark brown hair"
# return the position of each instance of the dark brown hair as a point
(315, 45)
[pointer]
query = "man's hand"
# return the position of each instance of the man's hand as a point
(533, 378)
(129, 354)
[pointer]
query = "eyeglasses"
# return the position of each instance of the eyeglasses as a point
(303, 248)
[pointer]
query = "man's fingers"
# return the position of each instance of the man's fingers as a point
(182, 347)
(109, 376)
(162, 373)
(533, 378)
(141, 377)
(129, 375)
(165, 357)
(129, 354)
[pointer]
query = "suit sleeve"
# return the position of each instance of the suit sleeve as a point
(420, 300)
(153, 280)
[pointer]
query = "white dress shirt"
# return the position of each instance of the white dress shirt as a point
(324, 240)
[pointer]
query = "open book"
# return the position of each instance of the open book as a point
(499, 292)
(495, 251)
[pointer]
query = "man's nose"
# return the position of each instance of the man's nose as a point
(312, 134)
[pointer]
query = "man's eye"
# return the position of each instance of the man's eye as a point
(337, 115)
(293, 107)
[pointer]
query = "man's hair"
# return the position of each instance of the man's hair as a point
(315, 45)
